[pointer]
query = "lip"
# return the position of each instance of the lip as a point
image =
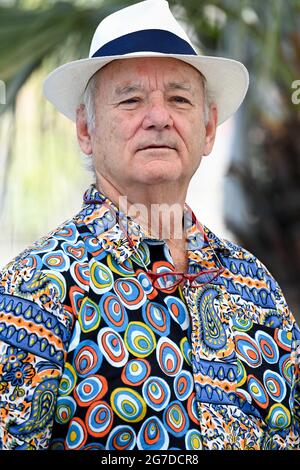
(156, 147)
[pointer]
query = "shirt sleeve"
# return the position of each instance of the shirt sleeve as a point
(295, 431)
(292, 435)
(34, 335)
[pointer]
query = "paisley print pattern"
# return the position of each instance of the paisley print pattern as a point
(42, 408)
(93, 357)
(213, 332)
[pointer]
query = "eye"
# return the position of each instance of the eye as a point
(130, 102)
(180, 99)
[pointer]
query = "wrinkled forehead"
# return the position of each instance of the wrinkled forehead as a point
(122, 72)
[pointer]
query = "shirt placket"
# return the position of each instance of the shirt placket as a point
(213, 354)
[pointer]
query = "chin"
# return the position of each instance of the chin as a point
(160, 172)
(158, 178)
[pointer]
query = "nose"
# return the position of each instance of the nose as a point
(157, 115)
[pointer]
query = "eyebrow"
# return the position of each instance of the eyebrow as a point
(125, 90)
(184, 86)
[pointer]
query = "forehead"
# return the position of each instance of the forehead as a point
(148, 69)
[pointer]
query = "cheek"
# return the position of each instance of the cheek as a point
(193, 134)
(199, 131)
(120, 131)
(199, 136)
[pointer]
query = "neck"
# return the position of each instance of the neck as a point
(158, 209)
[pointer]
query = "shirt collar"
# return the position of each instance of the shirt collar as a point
(104, 219)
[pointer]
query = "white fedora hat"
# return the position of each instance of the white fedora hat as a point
(146, 29)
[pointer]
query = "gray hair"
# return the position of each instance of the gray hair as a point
(88, 101)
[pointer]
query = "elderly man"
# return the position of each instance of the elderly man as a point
(124, 331)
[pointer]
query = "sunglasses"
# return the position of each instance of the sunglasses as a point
(169, 280)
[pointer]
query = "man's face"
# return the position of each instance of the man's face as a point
(149, 122)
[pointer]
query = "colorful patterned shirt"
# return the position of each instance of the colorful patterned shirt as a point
(92, 356)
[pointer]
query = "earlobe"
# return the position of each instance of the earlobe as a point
(211, 128)
(83, 135)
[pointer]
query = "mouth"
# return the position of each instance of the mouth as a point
(156, 147)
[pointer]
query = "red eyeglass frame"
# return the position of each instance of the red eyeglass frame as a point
(189, 277)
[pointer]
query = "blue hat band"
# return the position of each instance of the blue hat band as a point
(152, 40)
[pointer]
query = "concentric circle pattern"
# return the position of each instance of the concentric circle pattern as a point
(112, 346)
(57, 261)
(144, 255)
(169, 357)
(77, 435)
(65, 409)
(130, 293)
(87, 358)
(121, 438)
(192, 405)
(122, 269)
(241, 373)
(248, 350)
(81, 272)
(125, 332)
(113, 312)
(156, 393)
(186, 350)
(146, 283)
(257, 391)
(264, 373)
(94, 446)
(136, 372)
(153, 435)
(57, 444)
(275, 385)
(279, 417)
(268, 347)
(68, 380)
(242, 323)
(90, 389)
(139, 339)
(58, 283)
(193, 440)
(99, 419)
(286, 368)
(128, 405)
(157, 318)
(183, 385)
(178, 311)
(284, 339)
(89, 315)
(101, 278)
(176, 419)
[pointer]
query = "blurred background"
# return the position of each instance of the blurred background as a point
(247, 190)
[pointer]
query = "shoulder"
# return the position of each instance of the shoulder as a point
(253, 268)
(251, 282)
(36, 313)
(40, 274)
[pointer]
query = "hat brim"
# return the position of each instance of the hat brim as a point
(227, 81)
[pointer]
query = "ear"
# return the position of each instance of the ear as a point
(83, 136)
(211, 128)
